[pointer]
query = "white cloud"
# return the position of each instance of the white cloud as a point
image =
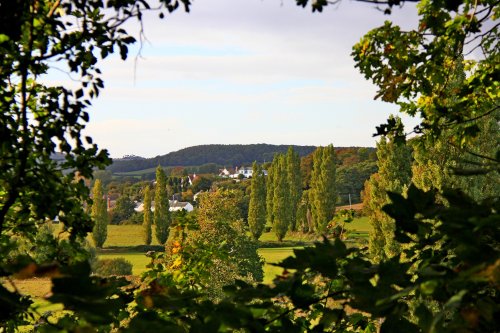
(243, 71)
(135, 136)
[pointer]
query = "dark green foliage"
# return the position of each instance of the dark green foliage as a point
(123, 210)
(272, 174)
(394, 175)
(282, 207)
(323, 191)
(294, 179)
(284, 191)
(214, 250)
(41, 248)
(161, 218)
(354, 166)
(108, 267)
(99, 302)
(202, 183)
(440, 165)
(224, 155)
(351, 180)
(304, 217)
(99, 213)
(147, 232)
(257, 205)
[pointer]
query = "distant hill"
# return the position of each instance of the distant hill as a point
(224, 155)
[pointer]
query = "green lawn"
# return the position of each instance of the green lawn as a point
(125, 235)
(131, 235)
(290, 236)
(138, 260)
(136, 173)
(273, 256)
(270, 255)
(360, 224)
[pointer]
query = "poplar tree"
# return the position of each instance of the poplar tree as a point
(282, 212)
(257, 206)
(394, 175)
(146, 225)
(323, 192)
(99, 214)
(270, 192)
(294, 179)
(161, 214)
(315, 178)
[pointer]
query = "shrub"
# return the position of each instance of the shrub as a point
(117, 266)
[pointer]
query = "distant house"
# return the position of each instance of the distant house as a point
(139, 207)
(247, 172)
(174, 206)
(224, 173)
(227, 172)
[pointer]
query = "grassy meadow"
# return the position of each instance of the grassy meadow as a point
(270, 255)
(123, 238)
(131, 235)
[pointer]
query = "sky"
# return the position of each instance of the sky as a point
(243, 72)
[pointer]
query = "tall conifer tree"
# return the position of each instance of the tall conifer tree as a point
(146, 225)
(162, 214)
(315, 179)
(294, 179)
(257, 206)
(99, 214)
(282, 212)
(270, 184)
(323, 192)
(394, 175)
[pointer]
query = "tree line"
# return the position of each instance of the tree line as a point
(222, 155)
(439, 275)
(280, 202)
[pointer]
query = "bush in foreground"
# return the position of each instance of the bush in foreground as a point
(117, 266)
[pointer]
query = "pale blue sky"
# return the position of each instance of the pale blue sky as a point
(239, 72)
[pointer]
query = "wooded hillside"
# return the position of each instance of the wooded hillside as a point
(225, 155)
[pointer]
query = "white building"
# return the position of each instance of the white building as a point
(174, 206)
(247, 172)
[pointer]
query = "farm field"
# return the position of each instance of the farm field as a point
(270, 255)
(123, 238)
(131, 235)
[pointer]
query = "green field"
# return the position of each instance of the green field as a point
(273, 256)
(360, 224)
(137, 173)
(127, 236)
(270, 255)
(131, 235)
(123, 238)
(138, 260)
